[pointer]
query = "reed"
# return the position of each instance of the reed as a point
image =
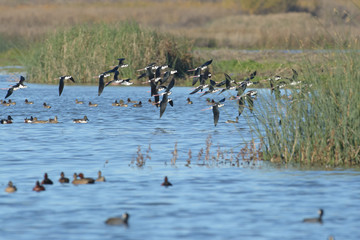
(319, 124)
(86, 51)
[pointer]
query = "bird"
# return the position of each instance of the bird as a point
(82, 180)
(202, 66)
(46, 180)
(100, 178)
(315, 220)
(11, 102)
(116, 104)
(89, 180)
(17, 86)
(215, 109)
(165, 100)
(78, 102)
(81, 120)
(35, 120)
(6, 121)
(228, 82)
(10, 188)
(139, 104)
(232, 121)
(241, 105)
(38, 187)
(120, 65)
(93, 104)
(118, 221)
(189, 101)
(46, 106)
(131, 101)
(4, 103)
(62, 83)
(28, 102)
(63, 179)
(166, 182)
(53, 120)
(29, 120)
(102, 83)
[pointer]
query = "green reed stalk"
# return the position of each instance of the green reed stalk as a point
(86, 51)
(320, 125)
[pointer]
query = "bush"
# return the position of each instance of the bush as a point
(87, 50)
(320, 124)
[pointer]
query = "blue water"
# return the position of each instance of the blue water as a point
(207, 201)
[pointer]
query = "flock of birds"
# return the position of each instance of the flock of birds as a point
(161, 84)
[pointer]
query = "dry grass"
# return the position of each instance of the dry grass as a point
(218, 23)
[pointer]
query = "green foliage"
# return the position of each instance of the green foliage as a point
(319, 124)
(86, 51)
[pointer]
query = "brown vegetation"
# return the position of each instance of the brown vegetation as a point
(219, 23)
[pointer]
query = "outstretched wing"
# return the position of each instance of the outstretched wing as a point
(61, 85)
(9, 92)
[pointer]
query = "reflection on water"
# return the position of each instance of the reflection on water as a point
(217, 201)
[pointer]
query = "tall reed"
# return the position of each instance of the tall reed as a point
(87, 50)
(320, 124)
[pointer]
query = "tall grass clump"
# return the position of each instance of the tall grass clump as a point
(85, 51)
(318, 123)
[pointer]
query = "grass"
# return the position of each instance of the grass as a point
(320, 124)
(87, 50)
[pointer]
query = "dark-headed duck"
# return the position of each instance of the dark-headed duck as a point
(6, 121)
(166, 182)
(63, 179)
(38, 187)
(315, 220)
(46, 180)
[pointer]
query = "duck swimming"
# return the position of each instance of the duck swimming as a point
(46, 106)
(315, 220)
(28, 102)
(78, 102)
(53, 120)
(100, 178)
(166, 182)
(46, 180)
(6, 121)
(89, 180)
(81, 120)
(118, 221)
(38, 187)
(63, 179)
(10, 188)
(92, 104)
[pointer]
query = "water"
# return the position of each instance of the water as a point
(205, 202)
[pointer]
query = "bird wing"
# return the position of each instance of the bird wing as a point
(216, 114)
(9, 92)
(207, 63)
(61, 85)
(101, 84)
(163, 104)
